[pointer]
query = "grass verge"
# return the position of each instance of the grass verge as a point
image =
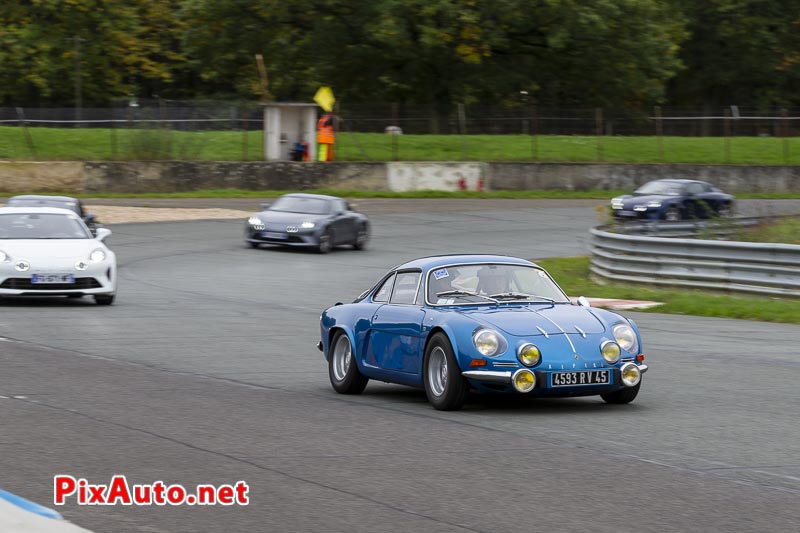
(572, 273)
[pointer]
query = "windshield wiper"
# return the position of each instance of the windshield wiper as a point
(465, 293)
(520, 296)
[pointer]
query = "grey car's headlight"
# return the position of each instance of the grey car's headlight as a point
(489, 342)
(307, 225)
(255, 221)
(625, 337)
(97, 256)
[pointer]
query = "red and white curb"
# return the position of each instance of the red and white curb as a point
(620, 305)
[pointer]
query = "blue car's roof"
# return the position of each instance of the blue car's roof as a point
(426, 263)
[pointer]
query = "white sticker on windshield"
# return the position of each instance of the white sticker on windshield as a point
(441, 273)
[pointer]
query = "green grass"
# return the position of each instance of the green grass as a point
(102, 144)
(785, 231)
(572, 273)
(602, 195)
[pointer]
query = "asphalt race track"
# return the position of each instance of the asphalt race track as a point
(205, 371)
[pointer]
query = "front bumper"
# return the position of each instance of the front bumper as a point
(503, 378)
(301, 238)
(98, 278)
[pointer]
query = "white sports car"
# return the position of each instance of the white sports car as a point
(47, 251)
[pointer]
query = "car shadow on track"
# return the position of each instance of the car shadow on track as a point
(45, 301)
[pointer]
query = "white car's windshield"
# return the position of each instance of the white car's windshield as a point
(491, 283)
(671, 188)
(300, 204)
(41, 226)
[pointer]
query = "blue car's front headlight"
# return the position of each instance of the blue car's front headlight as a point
(625, 337)
(489, 342)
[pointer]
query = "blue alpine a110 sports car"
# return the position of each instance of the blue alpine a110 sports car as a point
(453, 323)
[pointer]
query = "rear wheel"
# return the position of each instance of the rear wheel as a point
(362, 237)
(342, 368)
(621, 396)
(104, 299)
(445, 387)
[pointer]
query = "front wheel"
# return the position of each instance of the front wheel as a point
(342, 368)
(673, 214)
(325, 242)
(444, 385)
(361, 238)
(621, 396)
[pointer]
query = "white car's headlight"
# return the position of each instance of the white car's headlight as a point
(255, 221)
(654, 204)
(3, 257)
(625, 337)
(97, 256)
(307, 225)
(489, 342)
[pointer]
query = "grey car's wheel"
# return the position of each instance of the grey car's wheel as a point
(444, 385)
(325, 242)
(104, 299)
(625, 395)
(342, 368)
(673, 214)
(362, 238)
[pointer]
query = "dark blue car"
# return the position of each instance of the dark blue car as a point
(494, 324)
(673, 200)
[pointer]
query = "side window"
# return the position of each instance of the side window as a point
(695, 188)
(405, 288)
(339, 206)
(382, 294)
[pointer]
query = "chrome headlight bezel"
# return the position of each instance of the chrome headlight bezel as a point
(630, 368)
(500, 343)
(626, 337)
(98, 256)
(610, 357)
(521, 359)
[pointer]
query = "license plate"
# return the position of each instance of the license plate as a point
(42, 279)
(576, 379)
(273, 235)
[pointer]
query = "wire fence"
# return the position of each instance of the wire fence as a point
(234, 131)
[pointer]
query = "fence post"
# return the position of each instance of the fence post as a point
(659, 134)
(113, 134)
(727, 133)
(243, 122)
(462, 129)
(394, 134)
(785, 135)
(24, 125)
(598, 119)
(534, 133)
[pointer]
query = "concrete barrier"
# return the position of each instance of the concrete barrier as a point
(177, 176)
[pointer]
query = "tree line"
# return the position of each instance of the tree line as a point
(605, 53)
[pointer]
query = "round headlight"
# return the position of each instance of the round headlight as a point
(524, 380)
(307, 225)
(529, 355)
(630, 374)
(625, 337)
(97, 256)
(254, 221)
(488, 342)
(610, 351)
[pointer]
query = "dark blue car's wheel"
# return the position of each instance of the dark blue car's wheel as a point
(445, 387)
(673, 214)
(342, 368)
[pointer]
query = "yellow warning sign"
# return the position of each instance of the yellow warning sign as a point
(324, 98)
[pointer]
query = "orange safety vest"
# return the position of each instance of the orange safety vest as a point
(325, 133)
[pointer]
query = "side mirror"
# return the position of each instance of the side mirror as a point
(583, 301)
(89, 218)
(102, 234)
(265, 206)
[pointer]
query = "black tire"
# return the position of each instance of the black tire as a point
(325, 243)
(621, 396)
(445, 387)
(362, 237)
(344, 375)
(104, 299)
(673, 214)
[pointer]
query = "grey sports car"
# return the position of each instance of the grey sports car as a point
(63, 202)
(310, 220)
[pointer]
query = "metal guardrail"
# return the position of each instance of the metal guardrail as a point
(632, 256)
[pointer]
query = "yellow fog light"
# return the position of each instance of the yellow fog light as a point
(610, 351)
(631, 375)
(524, 380)
(529, 355)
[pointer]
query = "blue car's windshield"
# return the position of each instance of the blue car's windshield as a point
(671, 188)
(490, 283)
(301, 204)
(41, 226)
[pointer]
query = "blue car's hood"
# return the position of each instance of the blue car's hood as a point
(532, 320)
